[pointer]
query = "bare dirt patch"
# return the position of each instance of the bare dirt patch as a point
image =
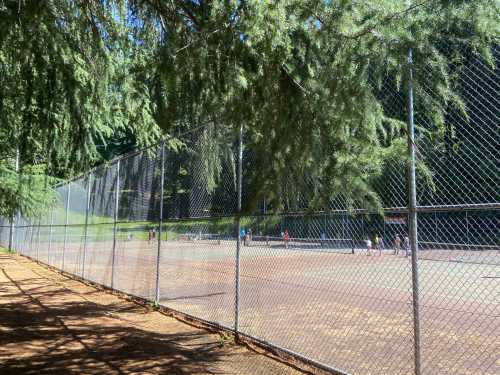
(52, 324)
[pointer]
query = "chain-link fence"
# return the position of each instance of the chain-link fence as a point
(335, 286)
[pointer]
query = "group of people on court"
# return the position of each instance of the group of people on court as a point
(151, 234)
(397, 246)
(378, 243)
(246, 237)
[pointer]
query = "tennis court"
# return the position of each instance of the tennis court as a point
(350, 311)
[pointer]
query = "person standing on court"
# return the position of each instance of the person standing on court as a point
(397, 244)
(406, 245)
(243, 236)
(286, 238)
(378, 244)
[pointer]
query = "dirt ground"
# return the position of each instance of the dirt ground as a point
(51, 324)
(352, 312)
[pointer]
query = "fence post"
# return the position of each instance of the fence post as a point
(12, 229)
(467, 236)
(32, 234)
(325, 226)
(115, 218)
(412, 216)
(50, 235)
(11, 233)
(162, 182)
(66, 225)
(238, 236)
(38, 242)
(87, 208)
(436, 236)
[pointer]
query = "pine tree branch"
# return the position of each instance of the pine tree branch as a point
(371, 28)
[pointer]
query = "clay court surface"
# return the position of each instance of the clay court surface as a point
(352, 312)
(51, 324)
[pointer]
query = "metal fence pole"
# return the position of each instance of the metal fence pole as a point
(117, 196)
(32, 234)
(412, 217)
(467, 236)
(238, 236)
(87, 208)
(50, 235)
(17, 238)
(162, 182)
(436, 236)
(12, 228)
(325, 226)
(38, 242)
(11, 233)
(66, 225)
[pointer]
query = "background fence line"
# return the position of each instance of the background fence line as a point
(162, 225)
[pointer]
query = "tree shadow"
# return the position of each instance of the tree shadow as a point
(86, 337)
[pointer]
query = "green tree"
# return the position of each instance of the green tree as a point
(301, 76)
(304, 77)
(65, 90)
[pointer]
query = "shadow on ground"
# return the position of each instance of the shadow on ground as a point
(40, 336)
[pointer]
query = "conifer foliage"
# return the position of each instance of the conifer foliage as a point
(79, 77)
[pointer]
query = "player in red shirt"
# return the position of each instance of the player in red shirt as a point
(286, 238)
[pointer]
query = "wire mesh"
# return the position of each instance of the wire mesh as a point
(75, 230)
(100, 229)
(458, 235)
(138, 214)
(332, 284)
(4, 232)
(197, 269)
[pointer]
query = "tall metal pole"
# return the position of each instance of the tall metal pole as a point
(87, 209)
(467, 236)
(238, 236)
(158, 253)
(38, 242)
(412, 216)
(436, 236)
(66, 225)
(50, 234)
(12, 229)
(325, 226)
(115, 218)
(32, 253)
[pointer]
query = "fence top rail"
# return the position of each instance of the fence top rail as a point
(388, 210)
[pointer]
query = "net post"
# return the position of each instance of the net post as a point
(115, 219)
(238, 236)
(87, 209)
(412, 217)
(160, 222)
(66, 226)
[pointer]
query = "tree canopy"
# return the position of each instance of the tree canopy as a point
(80, 79)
